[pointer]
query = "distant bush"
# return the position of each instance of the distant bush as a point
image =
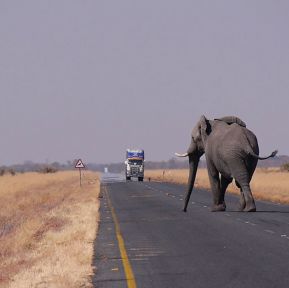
(12, 172)
(47, 169)
(285, 167)
(2, 171)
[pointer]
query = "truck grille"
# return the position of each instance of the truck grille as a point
(134, 170)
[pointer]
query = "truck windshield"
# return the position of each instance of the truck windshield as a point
(135, 162)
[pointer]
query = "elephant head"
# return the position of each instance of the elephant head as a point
(195, 151)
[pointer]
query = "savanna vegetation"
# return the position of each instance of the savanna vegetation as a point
(270, 184)
(48, 224)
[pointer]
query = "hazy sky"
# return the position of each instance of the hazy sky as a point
(88, 79)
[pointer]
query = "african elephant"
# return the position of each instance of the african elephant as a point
(231, 152)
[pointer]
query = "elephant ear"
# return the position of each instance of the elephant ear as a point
(232, 119)
(203, 128)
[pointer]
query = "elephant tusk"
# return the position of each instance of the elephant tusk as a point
(182, 155)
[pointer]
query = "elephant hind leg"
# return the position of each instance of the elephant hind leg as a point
(242, 177)
(246, 190)
(248, 199)
(250, 206)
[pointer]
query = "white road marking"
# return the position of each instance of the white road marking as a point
(253, 224)
(114, 269)
(147, 255)
(269, 231)
(142, 248)
(142, 196)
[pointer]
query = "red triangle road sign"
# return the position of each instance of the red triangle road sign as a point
(79, 164)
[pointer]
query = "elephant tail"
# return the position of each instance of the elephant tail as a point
(273, 154)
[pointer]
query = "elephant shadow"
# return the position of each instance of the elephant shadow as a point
(272, 211)
(261, 211)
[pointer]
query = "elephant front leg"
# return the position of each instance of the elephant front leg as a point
(219, 204)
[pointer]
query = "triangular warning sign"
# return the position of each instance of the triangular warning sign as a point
(79, 164)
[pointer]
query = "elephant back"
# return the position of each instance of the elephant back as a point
(231, 120)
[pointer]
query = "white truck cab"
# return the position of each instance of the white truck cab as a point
(134, 164)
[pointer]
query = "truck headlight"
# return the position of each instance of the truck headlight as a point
(128, 168)
(140, 168)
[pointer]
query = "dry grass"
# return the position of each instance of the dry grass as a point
(47, 228)
(267, 184)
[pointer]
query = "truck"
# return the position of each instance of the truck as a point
(134, 164)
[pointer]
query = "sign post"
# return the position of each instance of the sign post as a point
(79, 164)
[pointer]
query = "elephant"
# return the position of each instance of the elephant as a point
(231, 152)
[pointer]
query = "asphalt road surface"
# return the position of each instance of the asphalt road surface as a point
(145, 240)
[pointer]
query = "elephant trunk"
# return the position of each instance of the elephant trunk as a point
(193, 161)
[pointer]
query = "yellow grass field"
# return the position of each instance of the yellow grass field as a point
(267, 184)
(48, 224)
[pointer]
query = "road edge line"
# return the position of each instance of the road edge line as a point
(130, 279)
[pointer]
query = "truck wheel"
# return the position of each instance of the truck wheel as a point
(140, 178)
(127, 178)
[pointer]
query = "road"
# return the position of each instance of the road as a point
(145, 240)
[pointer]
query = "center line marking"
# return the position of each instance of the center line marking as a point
(130, 279)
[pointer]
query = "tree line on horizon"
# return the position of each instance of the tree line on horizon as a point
(173, 163)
